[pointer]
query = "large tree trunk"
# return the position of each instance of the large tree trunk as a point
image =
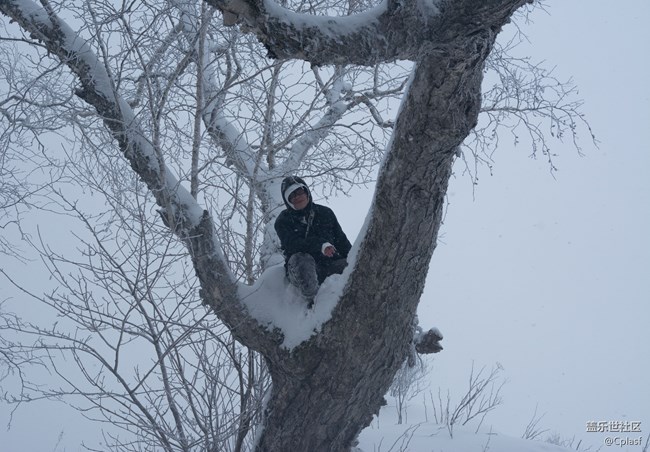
(325, 392)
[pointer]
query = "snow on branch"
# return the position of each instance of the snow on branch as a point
(232, 140)
(392, 30)
(320, 130)
(98, 90)
(223, 131)
(377, 34)
(180, 210)
(427, 341)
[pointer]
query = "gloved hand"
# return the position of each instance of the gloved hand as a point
(328, 249)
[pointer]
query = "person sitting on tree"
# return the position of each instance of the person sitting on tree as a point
(312, 240)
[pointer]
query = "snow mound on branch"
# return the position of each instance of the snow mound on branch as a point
(275, 303)
(328, 25)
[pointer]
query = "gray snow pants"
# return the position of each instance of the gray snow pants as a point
(305, 274)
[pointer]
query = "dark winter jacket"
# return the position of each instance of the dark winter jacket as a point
(307, 230)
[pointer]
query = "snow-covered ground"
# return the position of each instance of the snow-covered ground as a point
(420, 433)
(429, 437)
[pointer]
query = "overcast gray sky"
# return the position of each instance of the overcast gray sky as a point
(550, 277)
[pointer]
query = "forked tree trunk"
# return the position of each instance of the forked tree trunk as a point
(325, 392)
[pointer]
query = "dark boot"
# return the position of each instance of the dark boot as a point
(301, 271)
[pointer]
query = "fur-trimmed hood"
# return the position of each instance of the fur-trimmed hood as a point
(289, 185)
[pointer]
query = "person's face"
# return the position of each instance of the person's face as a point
(299, 198)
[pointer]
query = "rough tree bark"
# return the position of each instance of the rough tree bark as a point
(326, 390)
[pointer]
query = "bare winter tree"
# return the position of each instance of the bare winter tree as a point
(166, 99)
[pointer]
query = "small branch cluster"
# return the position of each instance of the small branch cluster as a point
(483, 396)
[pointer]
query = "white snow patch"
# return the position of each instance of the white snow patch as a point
(419, 434)
(32, 10)
(234, 137)
(191, 208)
(333, 26)
(275, 303)
(433, 437)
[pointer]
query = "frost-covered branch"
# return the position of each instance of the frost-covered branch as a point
(285, 33)
(97, 88)
(336, 108)
(390, 31)
(180, 210)
(125, 295)
(524, 101)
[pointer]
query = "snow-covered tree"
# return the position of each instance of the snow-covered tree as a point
(210, 127)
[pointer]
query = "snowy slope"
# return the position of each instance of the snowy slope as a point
(420, 433)
(428, 437)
